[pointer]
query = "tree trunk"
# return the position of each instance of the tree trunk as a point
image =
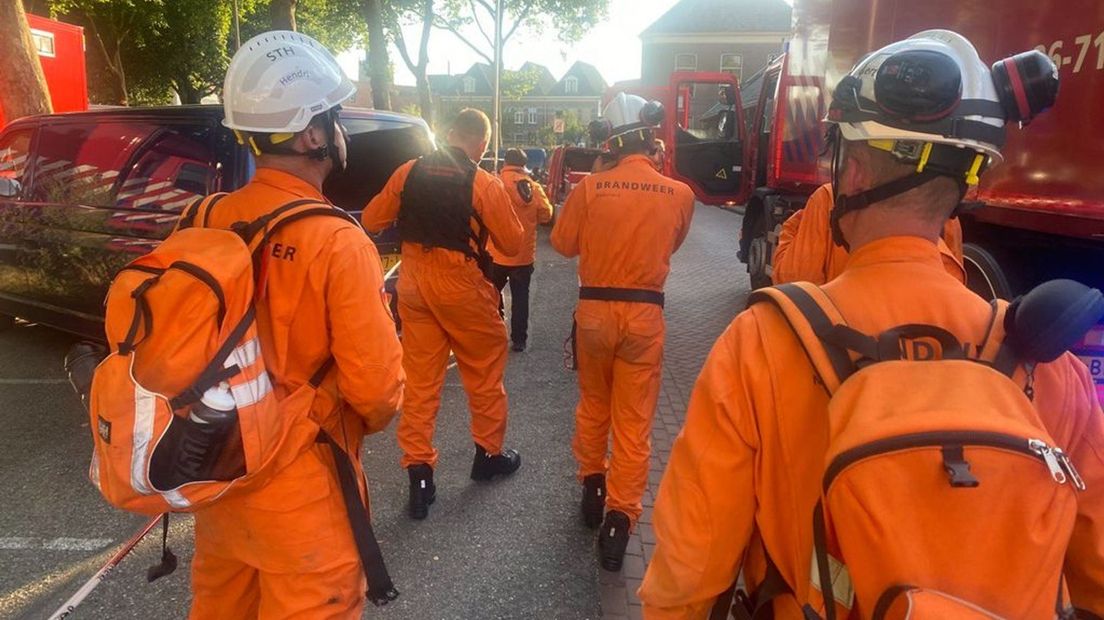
(425, 97)
(22, 84)
(378, 62)
(282, 14)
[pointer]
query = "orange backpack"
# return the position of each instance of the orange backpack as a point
(943, 494)
(179, 321)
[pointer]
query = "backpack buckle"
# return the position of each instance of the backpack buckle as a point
(958, 470)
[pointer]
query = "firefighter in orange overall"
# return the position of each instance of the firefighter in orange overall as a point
(448, 210)
(624, 224)
(532, 208)
(746, 472)
(286, 549)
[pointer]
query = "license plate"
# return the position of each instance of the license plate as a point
(389, 261)
(1096, 366)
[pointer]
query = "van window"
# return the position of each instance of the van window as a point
(117, 164)
(15, 147)
(174, 167)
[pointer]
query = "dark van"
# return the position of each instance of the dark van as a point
(83, 194)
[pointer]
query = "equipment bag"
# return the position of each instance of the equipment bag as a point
(943, 492)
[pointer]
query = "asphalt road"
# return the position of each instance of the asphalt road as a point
(509, 549)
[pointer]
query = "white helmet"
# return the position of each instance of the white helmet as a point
(278, 81)
(930, 101)
(627, 118)
(934, 88)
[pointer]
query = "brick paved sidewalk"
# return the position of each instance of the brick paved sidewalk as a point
(708, 286)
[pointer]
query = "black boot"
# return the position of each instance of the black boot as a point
(422, 490)
(612, 540)
(594, 499)
(487, 466)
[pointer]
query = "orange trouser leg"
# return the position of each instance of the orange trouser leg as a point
(636, 381)
(479, 341)
(425, 359)
(283, 551)
(596, 336)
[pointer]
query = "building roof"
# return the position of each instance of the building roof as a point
(545, 80)
(721, 16)
(591, 82)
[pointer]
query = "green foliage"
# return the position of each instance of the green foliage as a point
(142, 51)
(574, 131)
(516, 84)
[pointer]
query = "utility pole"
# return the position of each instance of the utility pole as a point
(496, 119)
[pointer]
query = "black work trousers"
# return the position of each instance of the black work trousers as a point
(519, 278)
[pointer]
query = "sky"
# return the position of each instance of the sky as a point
(613, 46)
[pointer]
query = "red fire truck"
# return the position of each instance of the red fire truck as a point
(60, 49)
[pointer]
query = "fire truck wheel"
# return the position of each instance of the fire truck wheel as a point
(984, 275)
(758, 253)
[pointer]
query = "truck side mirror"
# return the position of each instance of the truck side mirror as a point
(10, 188)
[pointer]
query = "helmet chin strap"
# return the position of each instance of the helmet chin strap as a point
(846, 204)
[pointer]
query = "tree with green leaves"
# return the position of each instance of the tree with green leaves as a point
(146, 50)
(114, 29)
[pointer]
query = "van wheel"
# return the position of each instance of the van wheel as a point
(984, 275)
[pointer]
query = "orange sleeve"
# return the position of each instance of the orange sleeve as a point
(569, 225)
(806, 242)
(1085, 554)
(687, 199)
(544, 207)
(364, 344)
(704, 513)
(493, 205)
(383, 209)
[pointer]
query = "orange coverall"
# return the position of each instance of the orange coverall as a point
(537, 211)
(623, 224)
(806, 252)
(747, 467)
(446, 303)
(287, 549)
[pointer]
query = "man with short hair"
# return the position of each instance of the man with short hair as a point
(532, 208)
(746, 472)
(624, 224)
(448, 209)
(805, 252)
(287, 549)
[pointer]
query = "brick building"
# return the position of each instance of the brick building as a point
(737, 36)
(532, 98)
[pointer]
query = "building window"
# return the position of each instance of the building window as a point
(571, 85)
(686, 62)
(519, 139)
(469, 84)
(43, 42)
(734, 64)
(532, 116)
(519, 117)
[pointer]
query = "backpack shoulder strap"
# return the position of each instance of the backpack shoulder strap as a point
(995, 349)
(199, 211)
(813, 317)
(257, 233)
